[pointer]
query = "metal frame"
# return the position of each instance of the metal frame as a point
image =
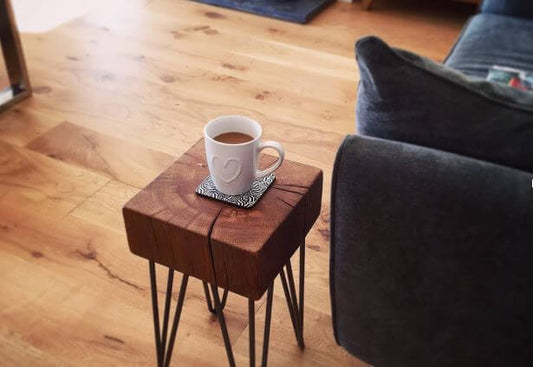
(210, 302)
(164, 350)
(19, 82)
(216, 305)
(296, 308)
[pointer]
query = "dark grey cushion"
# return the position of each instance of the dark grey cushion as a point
(515, 8)
(405, 97)
(431, 257)
(489, 40)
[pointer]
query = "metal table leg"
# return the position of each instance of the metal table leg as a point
(302, 287)
(219, 311)
(164, 349)
(251, 331)
(209, 301)
(251, 328)
(268, 318)
(296, 308)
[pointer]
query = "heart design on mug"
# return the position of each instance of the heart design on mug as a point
(228, 171)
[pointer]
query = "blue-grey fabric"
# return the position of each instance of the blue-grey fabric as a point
(405, 97)
(514, 8)
(489, 40)
(431, 257)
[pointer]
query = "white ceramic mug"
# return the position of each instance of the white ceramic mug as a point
(233, 167)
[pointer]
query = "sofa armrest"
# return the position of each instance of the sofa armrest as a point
(514, 8)
(431, 257)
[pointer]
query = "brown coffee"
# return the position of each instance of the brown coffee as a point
(233, 138)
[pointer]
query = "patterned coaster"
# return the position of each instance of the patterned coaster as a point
(245, 200)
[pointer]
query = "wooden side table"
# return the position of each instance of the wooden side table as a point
(240, 250)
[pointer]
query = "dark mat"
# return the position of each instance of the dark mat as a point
(298, 11)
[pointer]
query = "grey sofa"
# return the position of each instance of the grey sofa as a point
(432, 251)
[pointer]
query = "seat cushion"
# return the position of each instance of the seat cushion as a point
(406, 97)
(490, 39)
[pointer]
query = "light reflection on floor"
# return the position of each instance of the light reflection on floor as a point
(37, 16)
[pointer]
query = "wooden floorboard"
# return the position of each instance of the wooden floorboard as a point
(106, 155)
(118, 96)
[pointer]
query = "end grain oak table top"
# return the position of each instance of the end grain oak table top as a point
(170, 224)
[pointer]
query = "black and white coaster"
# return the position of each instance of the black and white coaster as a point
(246, 200)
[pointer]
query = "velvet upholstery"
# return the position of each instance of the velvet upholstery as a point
(482, 44)
(431, 227)
(430, 257)
(513, 8)
(409, 98)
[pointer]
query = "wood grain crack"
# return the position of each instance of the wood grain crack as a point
(286, 190)
(210, 245)
(92, 255)
(286, 202)
(295, 185)
(112, 338)
(324, 232)
(157, 212)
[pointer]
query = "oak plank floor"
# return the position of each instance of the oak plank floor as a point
(119, 94)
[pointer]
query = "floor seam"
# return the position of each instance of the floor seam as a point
(88, 197)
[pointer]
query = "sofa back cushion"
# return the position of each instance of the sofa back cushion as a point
(514, 8)
(406, 97)
(491, 39)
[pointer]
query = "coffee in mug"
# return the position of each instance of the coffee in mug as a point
(232, 146)
(233, 138)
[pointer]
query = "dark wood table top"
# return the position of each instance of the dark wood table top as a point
(171, 225)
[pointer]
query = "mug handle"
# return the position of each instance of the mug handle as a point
(274, 145)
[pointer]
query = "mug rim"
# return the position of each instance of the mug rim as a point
(206, 135)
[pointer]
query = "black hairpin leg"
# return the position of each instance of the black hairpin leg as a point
(302, 287)
(170, 281)
(268, 317)
(296, 309)
(251, 331)
(251, 315)
(164, 349)
(155, 313)
(209, 301)
(219, 312)
(251, 328)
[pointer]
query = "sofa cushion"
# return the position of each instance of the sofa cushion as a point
(515, 8)
(489, 40)
(430, 257)
(405, 97)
